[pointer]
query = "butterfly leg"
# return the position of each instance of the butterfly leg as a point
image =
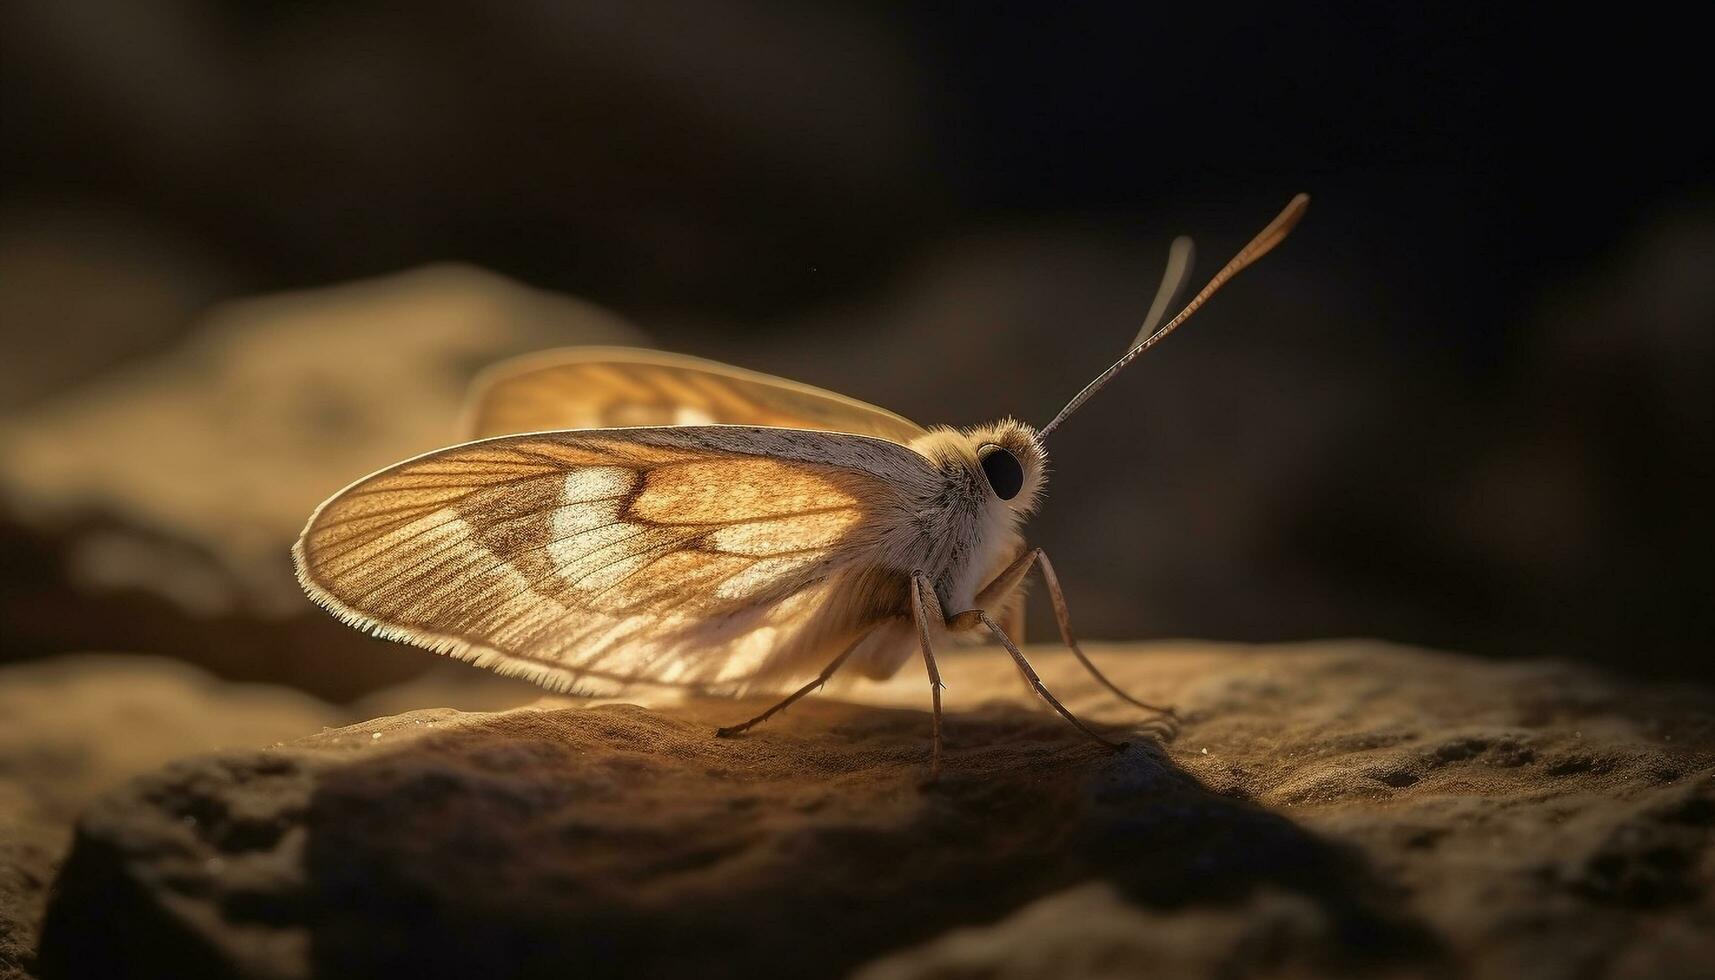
(1008, 581)
(1036, 682)
(997, 593)
(1064, 618)
(926, 605)
(822, 678)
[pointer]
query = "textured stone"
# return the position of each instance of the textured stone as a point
(73, 727)
(1327, 809)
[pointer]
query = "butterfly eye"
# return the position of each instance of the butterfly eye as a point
(1004, 474)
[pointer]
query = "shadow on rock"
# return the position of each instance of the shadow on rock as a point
(622, 841)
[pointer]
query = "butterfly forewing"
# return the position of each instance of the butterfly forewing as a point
(708, 556)
(603, 387)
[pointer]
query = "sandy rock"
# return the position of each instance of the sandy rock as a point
(73, 727)
(1327, 809)
(121, 538)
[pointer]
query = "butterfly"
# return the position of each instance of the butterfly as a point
(626, 517)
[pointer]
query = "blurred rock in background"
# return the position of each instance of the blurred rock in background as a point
(153, 509)
(81, 290)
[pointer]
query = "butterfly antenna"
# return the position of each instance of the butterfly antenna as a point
(1265, 240)
(1180, 256)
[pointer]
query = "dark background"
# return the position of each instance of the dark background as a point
(1467, 405)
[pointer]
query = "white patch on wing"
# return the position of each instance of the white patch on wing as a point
(593, 482)
(591, 503)
(573, 522)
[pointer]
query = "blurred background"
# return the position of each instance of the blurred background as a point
(251, 251)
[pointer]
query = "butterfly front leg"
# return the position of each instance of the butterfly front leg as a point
(1007, 582)
(1034, 681)
(1064, 618)
(978, 618)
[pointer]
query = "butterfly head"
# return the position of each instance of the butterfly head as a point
(1011, 461)
(1007, 461)
(1002, 462)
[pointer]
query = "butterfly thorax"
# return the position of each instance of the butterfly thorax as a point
(968, 532)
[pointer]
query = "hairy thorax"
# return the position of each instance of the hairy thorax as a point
(966, 534)
(955, 530)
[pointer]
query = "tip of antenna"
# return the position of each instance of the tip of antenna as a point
(1271, 235)
(1288, 217)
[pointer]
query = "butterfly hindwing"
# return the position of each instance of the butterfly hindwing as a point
(604, 387)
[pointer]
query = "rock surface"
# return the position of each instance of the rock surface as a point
(1326, 809)
(74, 727)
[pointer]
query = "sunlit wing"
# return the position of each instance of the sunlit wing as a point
(703, 556)
(607, 387)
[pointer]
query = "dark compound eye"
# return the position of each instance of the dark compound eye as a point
(1005, 476)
